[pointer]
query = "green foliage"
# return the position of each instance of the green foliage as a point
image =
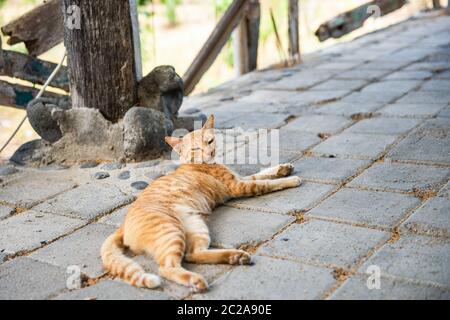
(171, 6)
(221, 6)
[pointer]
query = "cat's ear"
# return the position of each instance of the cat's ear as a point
(209, 124)
(173, 142)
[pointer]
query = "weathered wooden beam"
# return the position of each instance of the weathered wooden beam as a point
(293, 30)
(40, 29)
(101, 57)
(211, 49)
(18, 96)
(246, 40)
(354, 19)
(25, 67)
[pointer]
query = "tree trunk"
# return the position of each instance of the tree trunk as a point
(294, 37)
(101, 59)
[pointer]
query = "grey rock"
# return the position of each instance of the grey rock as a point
(144, 133)
(112, 166)
(124, 175)
(89, 165)
(39, 112)
(139, 185)
(162, 90)
(101, 175)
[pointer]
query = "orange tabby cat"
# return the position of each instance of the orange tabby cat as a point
(168, 220)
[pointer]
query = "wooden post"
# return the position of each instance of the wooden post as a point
(210, 50)
(294, 38)
(101, 57)
(437, 4)
(246, 40)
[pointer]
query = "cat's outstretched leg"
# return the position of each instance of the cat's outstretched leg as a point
(169, 256)
(280, 171)
(247, 188)
(198, 240)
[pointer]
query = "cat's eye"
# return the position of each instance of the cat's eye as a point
(196, 149)
(211, 141)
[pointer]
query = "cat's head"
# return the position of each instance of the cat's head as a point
(198, 146)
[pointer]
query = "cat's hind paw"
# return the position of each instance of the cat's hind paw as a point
(240, 257)
(285, 170)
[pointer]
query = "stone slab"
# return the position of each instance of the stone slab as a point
(348, 109)
(370, 208)
(415, 257)
(381, 125)
(5, 212)
(31, 230)
(335, 84)
(426, 97)
(327, 170)
(430, 219)
(271, 279)
(87, 202)
(81, 248)
(324, 243)
(26, 279)
(116, 218)
(319, 124)
(390, 289)
(404, 177)
(411, 110)
(231, 227)
(355, 145)
(287, 201)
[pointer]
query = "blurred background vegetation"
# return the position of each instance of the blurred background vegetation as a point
(173, 31)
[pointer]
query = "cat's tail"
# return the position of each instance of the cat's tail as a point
(119, 265)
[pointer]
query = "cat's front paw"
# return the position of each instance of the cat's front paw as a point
(197, 283)
(285, 170)
(240, 257)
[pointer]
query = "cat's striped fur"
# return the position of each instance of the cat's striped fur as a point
(168, 220)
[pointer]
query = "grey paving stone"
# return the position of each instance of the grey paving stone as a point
(7, 170)
(87, 202)
(116, 218)
(30, 230)
(400, 176)
(319, 123)
(362, 74)
(355, 144)
(436, 85)
(324, 243)
(380, 125)
(445, 191)
(289, 200)
(231, 227)
(415, 257)
(301, 80)
(2, 257)
(411, 110)
(271, 279)
(375, 209)
(297, 141)
(381, 64)
(430, 219)
(384, 86)
(257, 121)
(26, 279)
(445, 113)
(426, 97)
(113, 290)
(428, 66)
(328, 169)
(5, 212)
(335, 84)
(443, 75)
(81, 248)
(369, 96)
(390, 289)
(409, 75)
(26, 191)
(429, 144)
(348, 109)
(344, 65)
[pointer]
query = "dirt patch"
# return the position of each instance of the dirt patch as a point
(395, 235)
(341, 274)
(361, 116)
(424, 195)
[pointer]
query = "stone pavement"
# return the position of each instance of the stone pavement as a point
(367, 126)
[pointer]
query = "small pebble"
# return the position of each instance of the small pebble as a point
(113, 166)
(139, 185)
(101, 175)
(124, 175)
(285, 239)
(89, 164)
